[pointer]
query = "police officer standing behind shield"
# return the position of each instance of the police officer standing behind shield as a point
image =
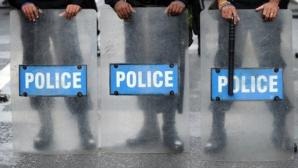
(152, 105)
(36, 44)
(269, 10)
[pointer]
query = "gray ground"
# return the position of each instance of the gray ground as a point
(108, 160)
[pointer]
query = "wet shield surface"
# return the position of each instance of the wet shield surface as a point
(256, 122)
(54, 84)
(143, 58)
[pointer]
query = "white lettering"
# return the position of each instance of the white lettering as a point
(76, 78)
(131, 79)
(145, 79)
(120, 77)
(140, 80)
(261, 87)
(156, 75)
(48, 79)
(273, 84)
(39, 80)
(243, 85)
(149, 81)
(169, 79)
(253, 84)
(64, 83)
(222, 81)
(29, 78)
(57, 80)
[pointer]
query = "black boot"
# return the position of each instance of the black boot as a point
(44, 138)
(146, 135)
(170, 136)
(174, 143)
(149, 132)
(217, 140)
(79, 106)
(280, 137)
(87, 139)
(45, 135)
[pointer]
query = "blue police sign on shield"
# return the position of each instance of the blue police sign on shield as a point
(134, 79)
(249, 84)
(40, 80)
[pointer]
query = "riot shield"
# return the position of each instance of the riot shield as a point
(255, 123)
(53, 65)
(140, 113)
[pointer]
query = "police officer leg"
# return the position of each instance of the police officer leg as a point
(67, 49)
(280, 136)
(36, 51)
(79, 107)
(217, 140)
(218, 135)
(272, 58)
(170, 136)
(149, 131)
(87, 139)
(45, 135)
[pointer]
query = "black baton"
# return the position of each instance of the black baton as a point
(231, 58)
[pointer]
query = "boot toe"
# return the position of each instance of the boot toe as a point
(211, 147)
(215, 144)
(41, 142)
(88, 142)
(174, 144)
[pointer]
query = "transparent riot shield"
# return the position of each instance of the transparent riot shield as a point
(54, 104)
(142, 118)
(255, 123)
